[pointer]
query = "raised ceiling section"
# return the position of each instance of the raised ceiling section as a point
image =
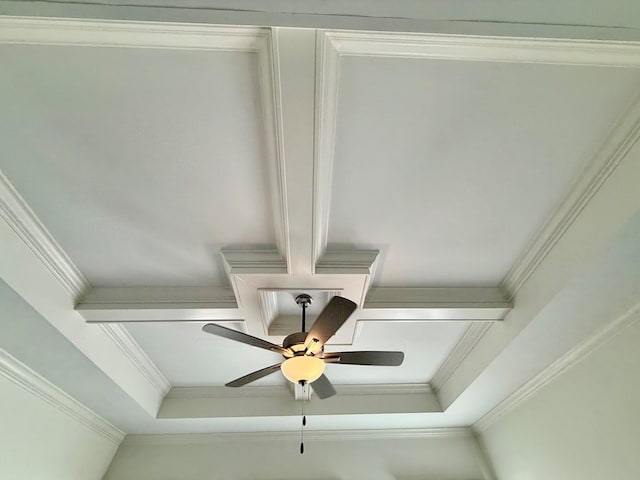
(162, 176)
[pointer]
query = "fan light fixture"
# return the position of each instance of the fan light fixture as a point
(302, 368)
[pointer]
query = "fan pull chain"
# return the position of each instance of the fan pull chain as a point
(304, 422)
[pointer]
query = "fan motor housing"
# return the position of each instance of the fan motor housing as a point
(296, 342)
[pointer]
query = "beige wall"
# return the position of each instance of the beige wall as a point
(40, 442)
(584, 425)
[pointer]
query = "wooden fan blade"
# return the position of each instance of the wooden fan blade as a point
(337, 311)
(388, 359)
(323, 388)
(252, 377)
(244, 338)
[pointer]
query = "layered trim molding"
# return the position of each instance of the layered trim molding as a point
(327, 76)
(21, 219)
(469, 339)
(311, 435)
(33, 233)
(113, 33)
(123, 339)
(557, 368)
(21, 375)
(281, 401)
(554, 51)
(280, 391)
(624, 134)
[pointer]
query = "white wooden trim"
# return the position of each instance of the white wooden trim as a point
(310, 435)
(471, 336)
(327, 76)
(269, 391)
(557, 368)
(624, 134)
(134, 34)
(18, 373)
(487, 48)
(280, 401)
(21, 219)
(269, 76)
(254, 261)
(429, 304)
(420, 297)
(268, 300)
(158, 304)
(33, 234)
(347, 262)
(127, 344)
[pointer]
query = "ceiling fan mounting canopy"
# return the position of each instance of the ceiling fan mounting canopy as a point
(304, 354)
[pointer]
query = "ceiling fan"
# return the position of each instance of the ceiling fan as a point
(304, 355)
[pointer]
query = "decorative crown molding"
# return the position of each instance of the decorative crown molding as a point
(557, 368)
(127, 345)
(268, 391)
(27, 226)
(347, 261)
(327, 76)
(310, 435)
(624, 134)
(271, 94)
(23, 221)
(254, 261)
(135, 34)
(605, 53)
(469, 339)
(21, 375)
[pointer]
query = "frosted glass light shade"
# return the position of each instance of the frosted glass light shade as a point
(302, 367)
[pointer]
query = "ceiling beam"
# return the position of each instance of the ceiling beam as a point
(158, 304)
(435, 304)
(267, 401)
(294, 53)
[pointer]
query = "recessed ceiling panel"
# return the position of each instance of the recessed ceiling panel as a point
(142, 163)
(189, 357)
(450, 167)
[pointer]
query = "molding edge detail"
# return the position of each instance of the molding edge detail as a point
(557, 368)
(26, 378)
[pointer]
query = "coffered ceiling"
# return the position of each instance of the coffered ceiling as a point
(460, 189)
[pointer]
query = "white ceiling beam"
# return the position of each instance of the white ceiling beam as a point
(435, 304)
(294, 53)
(267, 401)
(158, 304)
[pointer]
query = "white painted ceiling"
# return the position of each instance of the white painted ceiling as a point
(188, 357)
(450, 168)
(143, 164)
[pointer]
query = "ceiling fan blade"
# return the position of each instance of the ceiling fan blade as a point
(330, 320)
(389, 359)
(323, 388)
(244, 338)
(253, 376)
